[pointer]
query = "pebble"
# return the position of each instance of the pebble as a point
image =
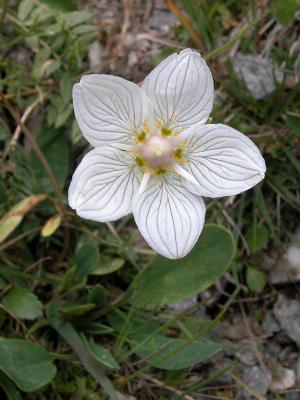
(287, 312)
(95, 54)
(287, 268)
(246, 353)
(270, 325)
(258, 74)
(184, 305)
(282, 379)
(298, 370)
(254, 377)
(162, 21)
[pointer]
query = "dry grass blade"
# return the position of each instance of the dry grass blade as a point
(187, 23)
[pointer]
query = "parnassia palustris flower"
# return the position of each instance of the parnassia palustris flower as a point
(154, 154)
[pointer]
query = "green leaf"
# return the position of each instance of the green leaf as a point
(66, 5)
(168, 353)
(256, 279)
(22, 303)
(257, 239)
(81, 29)
(33, 42)
(65, 85)
(107, 265)
(98, 296)
(27, 364)
(24, 9)
(2, 193)
(100, 354)
(284, 10)
(51, 66)
(293, 122)
(166, 281)
(78, 309)
(63, 116)
(95, 328)
(40, 63)
(56, 150)
(75, 18)
(86, 259)
(76, 134)
(3, 284)
(71, 281)
(66, 330)
(9, 388)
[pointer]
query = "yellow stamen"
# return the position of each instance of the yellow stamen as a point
(165, 131)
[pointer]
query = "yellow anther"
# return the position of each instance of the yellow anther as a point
(140, 162)
(141, 136)
(165, 131)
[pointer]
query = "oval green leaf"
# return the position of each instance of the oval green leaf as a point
(22, 303)
(29, 365)
(100, 354)
(166, 281)
(85, 259)
(107, 265)
(256, 279)
(78, 309)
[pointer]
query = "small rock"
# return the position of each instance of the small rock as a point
(233, 327)
(20, 56)
(184, 305)
(270, 325)
(282, 379)
(268, 261)
(95, 54)
(288, 356)
(255, 378)
(287, 313)
(298, 370)
(162, 21)
(132, 59)
(258, 73)
(288, 267)
(246, 353)
(271, 347)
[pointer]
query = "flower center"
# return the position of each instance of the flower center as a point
(157, 151)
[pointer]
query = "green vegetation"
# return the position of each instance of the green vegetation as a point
(84, 306)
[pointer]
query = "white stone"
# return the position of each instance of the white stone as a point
(95, 54)
(259, 73)
(283, 379)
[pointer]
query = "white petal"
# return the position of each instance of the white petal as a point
(144, 182)
(109, 109)
(123, 146)
(181, 88)
(169, 217)
(223, 160)
(184, 173)
(103, 185)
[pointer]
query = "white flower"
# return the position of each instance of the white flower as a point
(154, 155)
